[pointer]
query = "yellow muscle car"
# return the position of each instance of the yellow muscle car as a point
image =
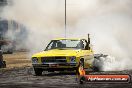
(64, 54)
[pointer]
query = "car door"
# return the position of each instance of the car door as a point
(87, 55)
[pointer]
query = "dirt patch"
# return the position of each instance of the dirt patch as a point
(17, 59)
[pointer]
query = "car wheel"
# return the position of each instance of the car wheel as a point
(98, 63)
(38, 71)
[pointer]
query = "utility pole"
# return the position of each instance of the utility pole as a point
(65, 20)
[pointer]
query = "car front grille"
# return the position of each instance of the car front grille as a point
(53, 59)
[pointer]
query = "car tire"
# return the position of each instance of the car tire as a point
(38, 71)
(98, 64)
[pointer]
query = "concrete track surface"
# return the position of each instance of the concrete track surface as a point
(21, 75)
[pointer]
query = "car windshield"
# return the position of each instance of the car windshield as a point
(64, 44)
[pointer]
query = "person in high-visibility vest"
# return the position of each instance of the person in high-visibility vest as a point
(81, 71)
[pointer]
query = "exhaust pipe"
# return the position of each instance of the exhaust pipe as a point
(88, 41)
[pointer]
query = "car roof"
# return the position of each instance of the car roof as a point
(67, 39)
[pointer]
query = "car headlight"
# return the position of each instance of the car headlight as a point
(73, 59)
(34, 60)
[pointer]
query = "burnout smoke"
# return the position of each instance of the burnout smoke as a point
(108, 22)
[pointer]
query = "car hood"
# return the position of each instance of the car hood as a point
(57, 52)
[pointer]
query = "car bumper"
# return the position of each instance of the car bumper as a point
(56, 66)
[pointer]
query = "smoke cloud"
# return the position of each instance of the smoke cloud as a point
(43, 19)
(108, 22)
